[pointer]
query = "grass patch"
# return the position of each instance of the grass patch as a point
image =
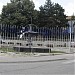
(57, 52)
(4, 49)
(7, 50)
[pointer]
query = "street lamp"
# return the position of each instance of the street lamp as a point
(70, 36)
(30, 32)
(70, 40)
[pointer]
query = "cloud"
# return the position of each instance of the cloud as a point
(3, 2)
(74, 7)
(68, 5)
(38, 3)
(69, 9)
(1, 5)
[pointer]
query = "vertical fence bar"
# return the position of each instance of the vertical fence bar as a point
(49, 40)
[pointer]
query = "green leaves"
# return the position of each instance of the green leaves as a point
(52, 15)
(17, 12)
(20, 12)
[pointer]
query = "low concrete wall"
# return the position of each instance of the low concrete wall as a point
(64, 48)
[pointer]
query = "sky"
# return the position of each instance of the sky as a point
(68, 5)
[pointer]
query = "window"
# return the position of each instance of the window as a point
(29, 44)
(19, 44)
(59, 45)
(4, 43)
(26, 44)
(10, 43)
(50, 45)
(39, 44)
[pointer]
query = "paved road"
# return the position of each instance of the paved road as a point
(54, 67)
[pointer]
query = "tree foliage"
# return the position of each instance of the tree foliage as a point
(52, 15)
(17, 12)
(20, 12)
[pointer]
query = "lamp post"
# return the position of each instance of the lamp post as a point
(70, 36)
(29, 37)
(70, 40)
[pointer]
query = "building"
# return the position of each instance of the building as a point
(71, 23)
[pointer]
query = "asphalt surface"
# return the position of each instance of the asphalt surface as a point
(38, 65)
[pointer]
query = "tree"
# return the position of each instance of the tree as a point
(51, 15)
(18, 12)
(60, 18)
(46, 14)
(35, 18)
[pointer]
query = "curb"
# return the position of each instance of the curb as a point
(32, 61)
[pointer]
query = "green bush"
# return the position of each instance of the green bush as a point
(57, 52)
(6, 49)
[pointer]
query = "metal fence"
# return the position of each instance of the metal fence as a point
(30, 37)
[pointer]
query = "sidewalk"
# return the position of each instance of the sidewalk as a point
(29, 59)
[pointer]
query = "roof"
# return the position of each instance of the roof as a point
(68, 17)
